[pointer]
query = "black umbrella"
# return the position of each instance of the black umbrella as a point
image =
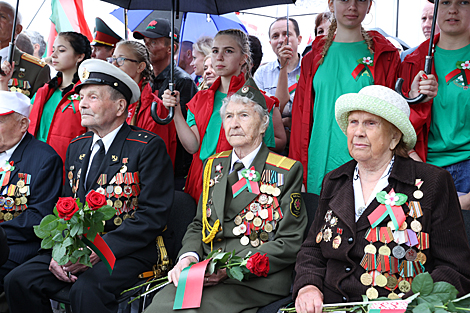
(200, 6)
(11, 47)
(427, 64)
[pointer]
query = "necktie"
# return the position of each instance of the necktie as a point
(233, 177)
(95, 164)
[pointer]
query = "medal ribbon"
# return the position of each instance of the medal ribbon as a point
(372, 234)
(382, 211)
(386, 234)
(393, 265)
(423, 239)
(457, 72)
(415, 209)
(244, 183)
(361, 68)
(280, 179)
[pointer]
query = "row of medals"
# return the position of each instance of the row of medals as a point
(7, 203)
(257, 213)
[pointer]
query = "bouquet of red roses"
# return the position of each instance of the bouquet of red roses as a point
(73, 227)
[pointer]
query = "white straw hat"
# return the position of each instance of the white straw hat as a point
(380, 101)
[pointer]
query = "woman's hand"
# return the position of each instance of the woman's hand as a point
(7, 69)
(216, 278)
(424, 84)
(174, 274)
(171, 99)
(309, 300)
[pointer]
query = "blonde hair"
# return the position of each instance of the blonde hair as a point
(243, 42)
(141, 53)
(331, 36)
(203, 45)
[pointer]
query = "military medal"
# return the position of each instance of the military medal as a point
(411, 254)
(372, 293)
(257, 221)
(126, 216)
(117, 221)
(328, 215)
(263, 236)
(8, 216)
(268, 228)
(1, 215)
(244, 241)
(416, 226)
(327, 234)
(264, 214)
(255, 243)
(319, 237)
(418, 194)
(421, 257)
(366, 279)
(398, 252)
(336, 242)
(381, 280)
(370, 248)
(236, 231)
(238, 220)
(249, 216)
(392, 282)
(404, 286)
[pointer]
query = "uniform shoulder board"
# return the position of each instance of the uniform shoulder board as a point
(280, 161)
(223, 154)
(33, 59)
(141, 136)
(84, 136)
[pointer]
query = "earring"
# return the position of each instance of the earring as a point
(371, 19)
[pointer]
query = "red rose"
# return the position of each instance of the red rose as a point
(258, 264)
(95, 200)
(66, 207)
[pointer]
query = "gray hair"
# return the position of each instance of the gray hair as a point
(37, 38)
(262, 112)
(12, 9)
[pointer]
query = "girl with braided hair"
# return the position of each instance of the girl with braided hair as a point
(201, 133)
(133, 58)
(347, 59)
(55, 117)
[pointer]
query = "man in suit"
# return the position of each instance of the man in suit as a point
(132, 168)
(30, 180)
(276, 213)
(29, 73)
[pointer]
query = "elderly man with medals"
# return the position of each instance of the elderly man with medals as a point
(382, 218)
(131, 167)
(250, 202)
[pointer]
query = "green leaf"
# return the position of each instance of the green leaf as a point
(47, 243)
(75, 229)
(58, 252)
(401, 199)
(40, 232)
(85, 260)
(63, 260)
(49, 222)
(68, 242)
(235, 273)
(61, 226)
(58, 236)
(56, 213)
(463, 303)
(73, 259)
(451, 307)
(94, 229)
(74, 219)
(211, 267)
(444, 291)
(423, 284)
(108, 212)
(381, 197)
(442, 311)
(422, 308)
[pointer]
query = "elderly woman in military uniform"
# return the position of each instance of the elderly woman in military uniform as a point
(270, 220)
(382, 218)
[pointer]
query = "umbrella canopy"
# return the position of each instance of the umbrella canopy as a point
(201, 6)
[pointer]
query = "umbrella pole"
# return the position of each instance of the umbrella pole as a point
(125, 24)
(11, 49)
(287, 23)
(172, 62)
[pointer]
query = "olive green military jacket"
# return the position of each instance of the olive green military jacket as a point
(284, 241)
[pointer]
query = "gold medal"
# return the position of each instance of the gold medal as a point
(418, 194)
(264, 214)
(13, 89)
(268, 228)
(392, 282)
(372, 293)
(118, 204)
(264, 236)
(24, 189)
(126, 216)
(70, 175)
(249, 216)
(319, 236)
(20, 184)
(384, 250)
(404, 286)
(416, 226)
(393, 296)
(244, 241)
(269, 189)
(1, 216)
(262, 188)
(257, 221)
(276, 192)
(336, 242)
(109, 202)
(370, 248)
(8, 216)
(421, 257)
(403, 226)
(135, 202)
(238, 220)
(253, 236)
(117, 221)
(276, 215)
(255, 243)
(24, 200)
(366, 279)
(16, 214)
(381, 280)
(17, 201)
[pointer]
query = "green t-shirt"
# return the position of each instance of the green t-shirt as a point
(449, 135)
(328, 147)
(47, 115)
(211, 137)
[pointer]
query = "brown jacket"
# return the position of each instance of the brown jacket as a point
(336, 272)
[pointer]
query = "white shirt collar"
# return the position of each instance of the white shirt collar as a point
(107, 140)
(8, 153)
(4, 53)
(246, 160)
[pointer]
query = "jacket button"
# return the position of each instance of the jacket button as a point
(345, 299)
(219, 239)
(350, 240)
(347, 269)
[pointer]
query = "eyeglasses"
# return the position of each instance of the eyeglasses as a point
(120, 60)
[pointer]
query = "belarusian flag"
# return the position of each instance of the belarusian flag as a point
(67, 15)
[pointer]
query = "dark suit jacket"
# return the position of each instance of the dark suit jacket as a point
(39, 160)
(146, 153)
(35, 71)
(281, 250)
(336, 272)
(4, 250)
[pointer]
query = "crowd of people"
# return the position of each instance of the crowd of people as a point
(325, 122)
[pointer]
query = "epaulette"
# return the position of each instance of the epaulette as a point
(280, 161)
(83, 136)
(223, 154)
(33, 59)
(141, 136)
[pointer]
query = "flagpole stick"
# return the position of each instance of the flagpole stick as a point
(11, 50)
(36, 14)
(358, 303)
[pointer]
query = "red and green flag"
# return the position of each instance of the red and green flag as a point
(67, 15)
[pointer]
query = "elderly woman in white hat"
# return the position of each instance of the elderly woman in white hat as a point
(382, 218)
